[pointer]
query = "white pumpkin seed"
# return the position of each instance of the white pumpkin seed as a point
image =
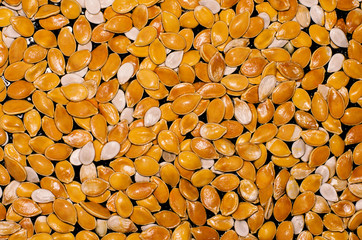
(358, 205)
(109, 128)
(125, 72)
(10, 32)
(12, 7)
(87, 153)
(338, 184)
(317, 14)
(110, 150)
(323, 90)
(242, 111)
(266, 19)
(94, 18)
(289, 47)
(163, 164)
(88, 46)
(7, 40)
(240, 42)
(113, 223)
(336, 62)
(1, 192)
(74, 158)
(207, 163)
(21, 13)
(7, 139)
(127, 115)
(87, 172)
(298, 148)
(81, 3)
(145, 227)
(152, 116)
(303, 16)
(71, 78)
(215, 171)
(241, 228)
(212, 5)
(308, 150)
(173, 60)
(48, 70)
(298, 84)
(106, 3)
(322, 129)
(42, 196)
(229, 70)
(9, 194)
(324, 172)
(266, 87)
(168, 157)
(168, 50)
(119, 101)
(132, 34)
(298, 224)
(82, 72)
(119, 224)
(278, 43)
(101, 227)
(308, 3)
(31, 175)
(296, 134)
(331, 164)
(328, 192)
(338, 37)
(140, 178)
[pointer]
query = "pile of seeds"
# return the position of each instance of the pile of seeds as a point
(180, 119)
